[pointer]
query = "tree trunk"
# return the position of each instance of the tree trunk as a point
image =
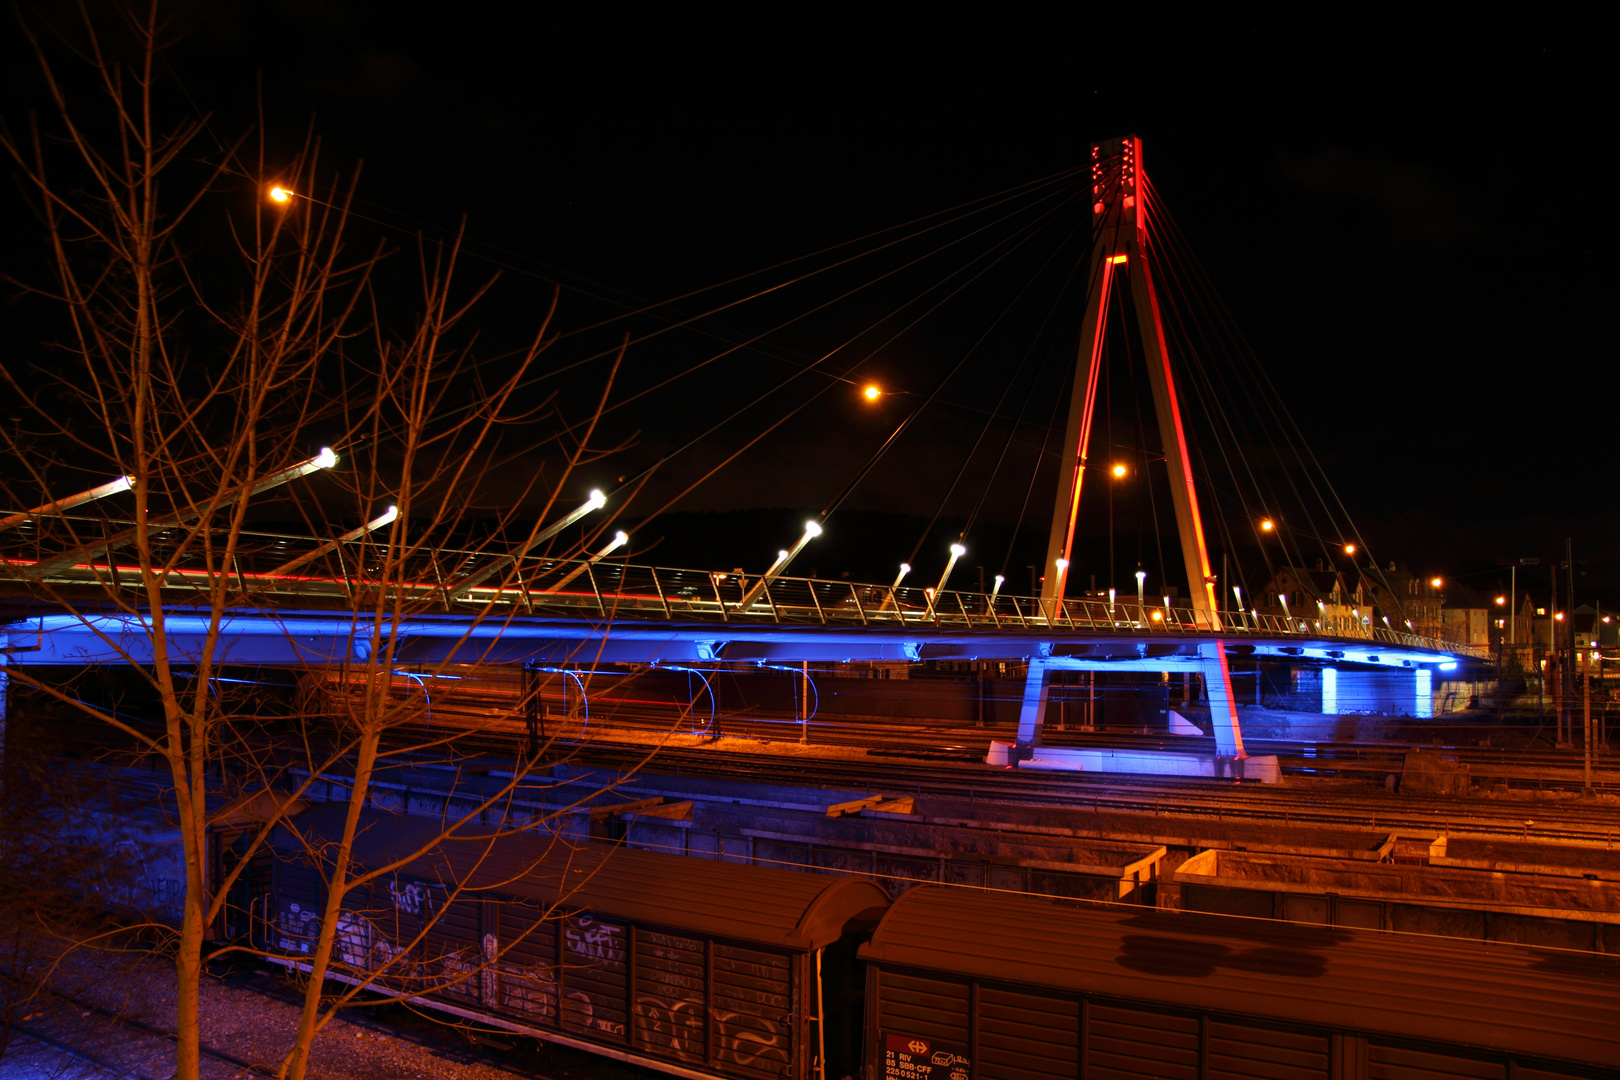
(310, 1022)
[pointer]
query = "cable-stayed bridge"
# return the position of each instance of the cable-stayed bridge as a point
(301, 600)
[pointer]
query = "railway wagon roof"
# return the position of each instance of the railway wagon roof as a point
(760, 905)
(1540, 1002)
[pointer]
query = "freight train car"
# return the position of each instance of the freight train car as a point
(706, 968)
(692, 967)
(966, 984)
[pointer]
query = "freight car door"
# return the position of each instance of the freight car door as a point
(753, 1012)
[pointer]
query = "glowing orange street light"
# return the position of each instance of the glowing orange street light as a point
(1267, 525)
(1349, 549)
(1500, 600)
(1119, 471)
(871, 393)
(1559, 616)
(279, 194)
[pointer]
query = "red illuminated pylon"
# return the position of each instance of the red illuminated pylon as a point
(1121, 247)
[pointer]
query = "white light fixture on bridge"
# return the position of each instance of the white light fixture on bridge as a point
(996, 588)
(812, 529)
(89, 552)
(595, 501)
(326, 459)
(1141, 580)
(620, 539)
(905, 568)
(112, 487)
(957, 551)
(349, 537)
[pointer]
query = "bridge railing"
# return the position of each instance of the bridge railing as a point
(611, 589)
(618, 590)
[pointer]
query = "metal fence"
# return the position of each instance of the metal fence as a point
(346, 573)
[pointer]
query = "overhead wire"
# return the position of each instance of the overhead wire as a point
(1265, 491)
(760, 399)
(1006, 389)
(923, 406)
(1063, 291)
(1284, 424)
(1092, 284)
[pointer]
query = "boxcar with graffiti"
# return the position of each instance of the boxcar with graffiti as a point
(694, 968)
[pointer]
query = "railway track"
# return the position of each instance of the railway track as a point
(1341, 803)
(1542, 770)
(1544, 820)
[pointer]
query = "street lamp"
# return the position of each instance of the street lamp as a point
(1141, 577)
(620, 539)
(811, 531)
(957, 551)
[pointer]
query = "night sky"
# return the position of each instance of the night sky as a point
(1404, 219)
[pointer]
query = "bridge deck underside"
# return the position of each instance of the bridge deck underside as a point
(317, 637)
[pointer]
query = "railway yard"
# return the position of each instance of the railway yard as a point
(1445, 844)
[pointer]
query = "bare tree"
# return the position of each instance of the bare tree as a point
(217, 317)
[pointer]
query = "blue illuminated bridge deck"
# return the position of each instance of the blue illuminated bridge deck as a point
(556, 611)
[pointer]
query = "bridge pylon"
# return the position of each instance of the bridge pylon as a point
(1122, 257)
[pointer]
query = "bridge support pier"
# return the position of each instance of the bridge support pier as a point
(1217, 685)
(1032, 711)
(1222, 708)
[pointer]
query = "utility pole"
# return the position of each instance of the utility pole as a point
(804, 707)
(1568, 673)
(1555, 648)
(1586, 740)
